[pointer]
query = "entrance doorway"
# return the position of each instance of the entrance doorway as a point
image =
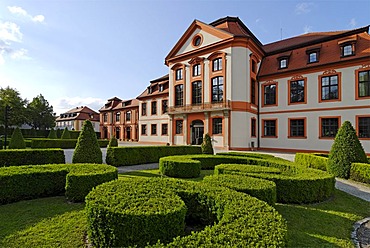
(105, 133)
(128, 132)
(118, 133)
(197, 131)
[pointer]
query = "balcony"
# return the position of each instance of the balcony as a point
(203, 107)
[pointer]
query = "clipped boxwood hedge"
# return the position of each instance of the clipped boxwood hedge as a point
(179, 167)
(60, 143)
(312, 160)
(139, 212)
(75, 180)
(262, 189)
(304, 186)
(360, 172)
(31, 157)
(131, 155)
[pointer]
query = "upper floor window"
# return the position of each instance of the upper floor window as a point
(329, 127)
(253, 91)
(118, 116)
(363, 84)
(217, 89)
(364, 127)
(161, 87)
(179, 95)
(143, 108)
(164, 106)
(128, 116)
(329, 87)
(297, 91)
(196, 70)
(347, 50)
(154, 108)
(283, 63)
(313, 57)
(217, 126)
(269, 94)
(196, 92)
(178, 126)
(178, 74)
(105, 117)
(217, 64)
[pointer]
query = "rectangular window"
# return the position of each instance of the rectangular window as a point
(178, 74)
(283, 63)
(312, 57)
(196, 70)
(196, 92)
(161, 87)
(143, 109)
(347, 50)
(164, 129)
(269, 128)
(118, 116)
(154, 108)
(154, 129)
(364, 84)
(364, 127)
(253, 127)
(128, 116)
(217, 89)
(178, 126)
(105, 117)
(143, 129)
(254, 66)
(253, 91)
(164, 106)
(269, 94)
(297, 91)
(217, 64)
(297, 128)
(179, 95)
(217, 126)
(329, 87)
(329, 127)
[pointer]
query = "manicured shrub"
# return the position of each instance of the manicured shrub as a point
(87, 149)
(207, 145)
(76, 181)
(66, 134)
(126, 155)
(113, 142)
(312, 160)
(182, 168)
(360, 172)
(17, 141)
(345, 150)
(60, 143)
(262, 189)
(31, 157)
(52, 134)
(135, 212)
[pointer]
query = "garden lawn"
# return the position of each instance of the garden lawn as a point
(53, 222)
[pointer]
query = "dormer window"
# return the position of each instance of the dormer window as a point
(161, 87)
(178, 74)
(283, 63)
(347, 50)
(312, 57)
(150, 90)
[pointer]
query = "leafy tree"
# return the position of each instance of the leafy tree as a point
(11, 97)
(17, 141)
(40, 115)
(52, 134)
(66, 134)
(113, 142)
(207, 145)
(345, 150)
(87, 148)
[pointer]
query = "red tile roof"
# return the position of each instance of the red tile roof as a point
(154, 85)
(79, 113)
(126, 104)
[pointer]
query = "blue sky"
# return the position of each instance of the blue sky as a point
(83, 52)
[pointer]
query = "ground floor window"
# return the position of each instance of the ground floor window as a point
(253, 127)
(217, 126)
(269, 128)
(178, 126)
(364, 127)
(143, 129)
(329, 126)
(154, 129)
(297, 128)
(164, 129)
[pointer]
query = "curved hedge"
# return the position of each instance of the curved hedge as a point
(312, 160)
(31, 157)
(360, 172)
(60, 143)
(305, 186)
(262, 189)
(176, 166)
(138, 212)
(75, 180)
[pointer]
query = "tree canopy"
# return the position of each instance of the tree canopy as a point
(40, 114)
(17, 113)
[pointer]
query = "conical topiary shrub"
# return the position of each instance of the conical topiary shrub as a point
(52, 134)
(66, 134)
(345, 150)
(113, 142)
(207, 145)
(17, 141)
(87, 149)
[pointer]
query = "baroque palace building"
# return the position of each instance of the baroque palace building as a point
(290, 95)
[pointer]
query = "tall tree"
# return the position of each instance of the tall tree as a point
(17, 113)
(40, 113)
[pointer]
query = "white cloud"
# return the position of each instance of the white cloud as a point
(303, 8)
(352, 23)
(19, 54)
(10, 31)
(258, 20)
(62, 105)
(21, 12)
(307, 29)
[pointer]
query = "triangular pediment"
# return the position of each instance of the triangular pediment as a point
(209, 35)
